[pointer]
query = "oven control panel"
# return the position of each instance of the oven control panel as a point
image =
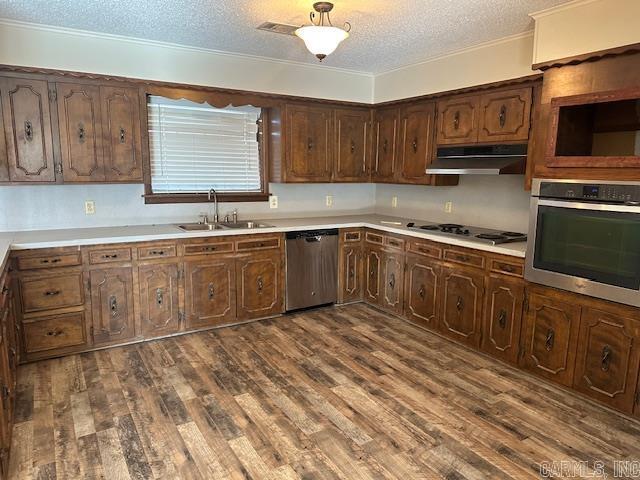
(598, 192)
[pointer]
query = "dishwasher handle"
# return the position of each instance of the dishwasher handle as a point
(312, 235)
(317, 238)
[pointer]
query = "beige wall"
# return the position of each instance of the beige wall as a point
(585, 26)
(490, 62)
(29, 45)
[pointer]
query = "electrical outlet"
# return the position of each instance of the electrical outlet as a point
(448, 207)
(329, 200)
(394, 202)
(89, 207)
(273, 201)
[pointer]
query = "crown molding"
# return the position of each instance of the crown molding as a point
(174, 46)
(559, 8)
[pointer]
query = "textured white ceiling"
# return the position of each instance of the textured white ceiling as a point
(386, 34)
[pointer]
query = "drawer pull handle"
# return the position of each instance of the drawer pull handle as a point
(156, 252)
(81, 133)
(309, 144)
(550, 340)
(503, 116)
(605, 360)
(414, 145)
(112, 256)
(460, 304)
(372, 272)
(159, 297)
(53, 260)
(385, 145)
(28, 131)
(352, 273)
(456, 120)
(507, 268)
(52, 293)
(260, 285)
(392, 281)
(353, 147)
(122, 133)
(209, 249)
(113, 305)
(502, 319)
(54, 333)
(421, 292)
(212, 292)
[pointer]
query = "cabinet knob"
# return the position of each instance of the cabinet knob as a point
(550, 340)
(502, 116)
(159, 297)
(460, 304)
(414, 145)
(52, 293)
(392, 281)
(211, 291)
(113, 305)
(421, 292)
(309, 144)
(605, 359)
(502, 319)
(456, 120)
(260, 285)
(28, 131)
(81, 133)
(353, 147)
(385, 145)
(122, 135)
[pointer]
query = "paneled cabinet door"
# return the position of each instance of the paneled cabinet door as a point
(351, 285)
(5, 386)
(210, 293)
(416, 148)
(121, 129)
(4, 160)
(458, 120)
(80, 132)
(462, 296)
(608, 357)
(373, 275)
(422, 291)
(27, 124)
(159, 299)
(386, 127)
(112, 305)
(352, 145)
(503, 318)
(505, 116)
(551, 335)
(259, 285)
(309, 138)
(393, 282)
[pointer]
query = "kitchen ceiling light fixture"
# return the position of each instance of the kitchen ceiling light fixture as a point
(321, 37)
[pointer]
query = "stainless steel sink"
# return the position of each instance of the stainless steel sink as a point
(200, 227)
(245, 224)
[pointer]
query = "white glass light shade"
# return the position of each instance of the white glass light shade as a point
(321, 40)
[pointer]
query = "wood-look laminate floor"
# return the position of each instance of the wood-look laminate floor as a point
(341, 392)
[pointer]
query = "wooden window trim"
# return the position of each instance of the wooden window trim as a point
(218, 101)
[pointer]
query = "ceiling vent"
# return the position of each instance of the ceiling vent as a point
(278, 28)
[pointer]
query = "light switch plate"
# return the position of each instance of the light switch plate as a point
(273, 201)
(89, 207)
(394, 202)
(329, 200)
(448, 207)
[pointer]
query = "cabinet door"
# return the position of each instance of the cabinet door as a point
(4, 160)
(503, 318)
(309, 138)
(27, 123)
(159, 300)
(462, 295)
(505, 116)
(373, 275)
(386, 131)
(121, 129)
(210, 293)
(352, 145)
(608, 357)
(422, 291)
(416, 148)
(112, 305)
(551, 334)
(351, 273)
(393, 282)
(80, 132)
(259, 285)
(458, 120)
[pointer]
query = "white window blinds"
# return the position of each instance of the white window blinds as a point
(195, 147)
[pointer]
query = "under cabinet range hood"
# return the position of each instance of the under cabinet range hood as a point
(480, 160)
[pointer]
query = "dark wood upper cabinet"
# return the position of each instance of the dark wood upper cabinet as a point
(80, 127)
(121, 124)
(462, 297)
(422, 290)
(309, 141)
(608, 358)
(210, 292)
(159, 300)
(505, 116)
(27, 127)
(112, 311)
(4, 161)
(353, 147)
(551, 335)
(458, 120)
(416, 145)
(386, 128)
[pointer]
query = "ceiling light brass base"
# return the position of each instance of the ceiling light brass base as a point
(323, 7)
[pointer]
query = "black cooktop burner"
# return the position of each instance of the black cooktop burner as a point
(512, 234)
(491, 236)
(430, 227)
(450, 226)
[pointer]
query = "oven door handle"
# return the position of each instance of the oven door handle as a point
(601, 207)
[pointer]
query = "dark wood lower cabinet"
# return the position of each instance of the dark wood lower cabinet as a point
(159, 299)
(392, 282)
(259, 285)
(351, 273)
(373, 275)
(112, 314)
(422, 291)
(210, 294)
(462, 293)
(551, 336)
(608, 358)
(503, 317)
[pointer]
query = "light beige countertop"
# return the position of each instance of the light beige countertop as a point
(140, 233)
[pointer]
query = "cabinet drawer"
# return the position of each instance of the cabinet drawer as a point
(157, 251)
(208, 248)
(374, 238)
(38, 293)
(54, 332)
(465, 258)
(392, 242)
(258, 244)
(425, 249)
(67, 259)
(97, 257)
(351, 236)
(508, 268)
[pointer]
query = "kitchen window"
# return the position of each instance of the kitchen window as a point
(194, 147)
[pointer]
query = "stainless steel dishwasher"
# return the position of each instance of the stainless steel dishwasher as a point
(312, 268)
